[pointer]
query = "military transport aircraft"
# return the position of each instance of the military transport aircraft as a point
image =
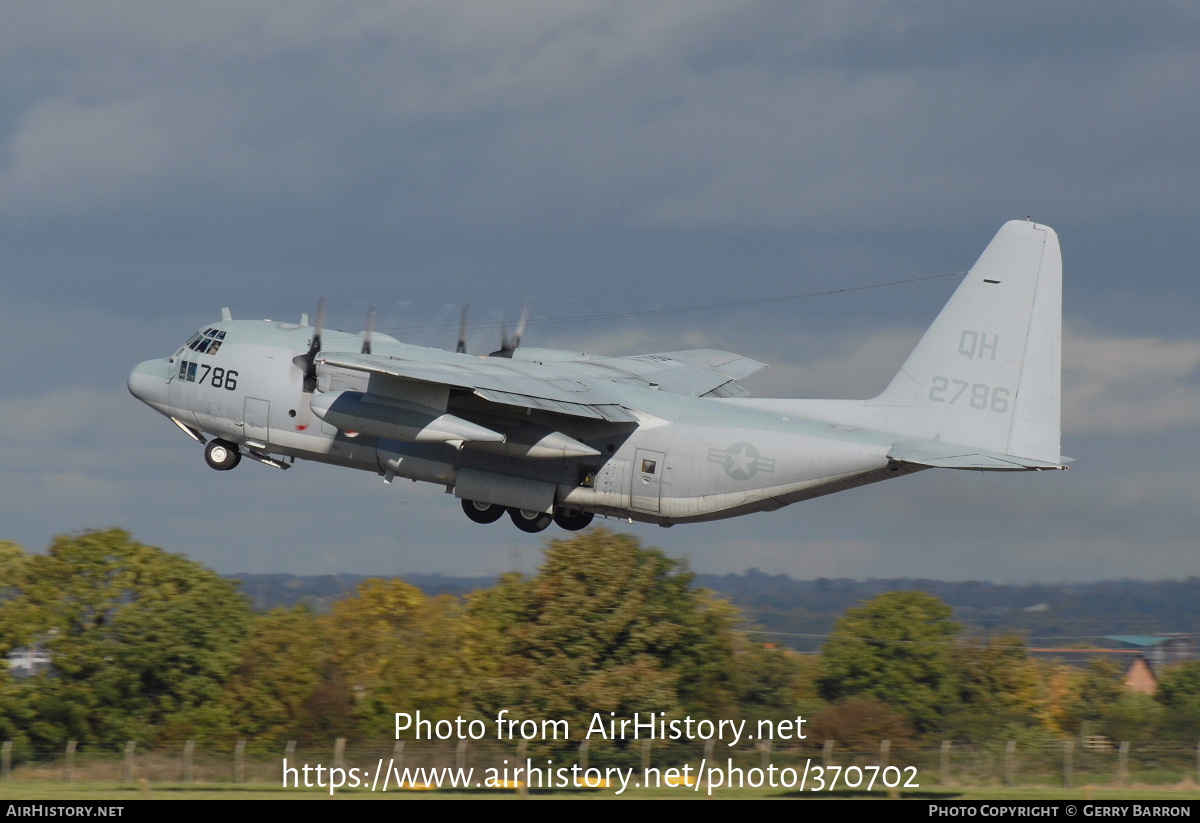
(544, 435)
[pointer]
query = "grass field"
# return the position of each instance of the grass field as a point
(60, 792)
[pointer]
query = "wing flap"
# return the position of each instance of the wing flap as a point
(730, 389)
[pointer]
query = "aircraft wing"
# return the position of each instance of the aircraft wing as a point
(580, 387)
(498, 380)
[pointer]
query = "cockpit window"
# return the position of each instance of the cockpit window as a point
(206, 342)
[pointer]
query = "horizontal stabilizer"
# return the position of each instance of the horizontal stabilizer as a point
(946, 456)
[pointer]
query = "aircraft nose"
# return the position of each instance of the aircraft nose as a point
(148, 382)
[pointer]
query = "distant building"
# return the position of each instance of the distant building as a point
(1139, 677)
(28, 662)
(1161, 650)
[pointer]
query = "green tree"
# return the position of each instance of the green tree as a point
(998, 687)
(139, 638)
(397, 650)
(1081, 698)
(895, 648)
(1179, 693)
(1133, 717)
(860, 723)
(605, 626)
(284, 663)
(774, 682)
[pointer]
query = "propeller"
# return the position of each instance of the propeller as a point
(508, 345)
(307, 363)
(461, 348)
(366, 346)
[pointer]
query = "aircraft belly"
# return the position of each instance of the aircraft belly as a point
(721, 506)
(184, 415)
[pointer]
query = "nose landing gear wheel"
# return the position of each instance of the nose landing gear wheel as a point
(482, 512)
(572, 520)
(528, 521)
(222, 455)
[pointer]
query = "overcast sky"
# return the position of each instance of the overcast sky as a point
(161, 160)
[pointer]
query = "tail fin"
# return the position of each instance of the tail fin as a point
(986, 373)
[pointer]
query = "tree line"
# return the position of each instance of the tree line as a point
(150, 646)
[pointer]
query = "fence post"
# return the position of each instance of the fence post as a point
(398, 757)
(189, 771)
(1010, 756)
(1068, 763)
(885, 748)
(827, 754)
(765, 746)
(460, 754)
(944, 763)
(69, 763)
(522, 755)
(6, 760)
(1123, 762)
(584, 748)
(239, 762)
(130, 748)
(645, 759)
(339, 752)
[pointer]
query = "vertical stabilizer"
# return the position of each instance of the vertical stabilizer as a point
(986, 373)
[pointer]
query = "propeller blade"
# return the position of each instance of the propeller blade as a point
(307, 363)
(366, 346)
(516, 341)
(508, 345)
(320, 324)
(461, 348)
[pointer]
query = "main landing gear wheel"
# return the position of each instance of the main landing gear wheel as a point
(527, 521)
(222, 455)
(572, 520)
(482, 512)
